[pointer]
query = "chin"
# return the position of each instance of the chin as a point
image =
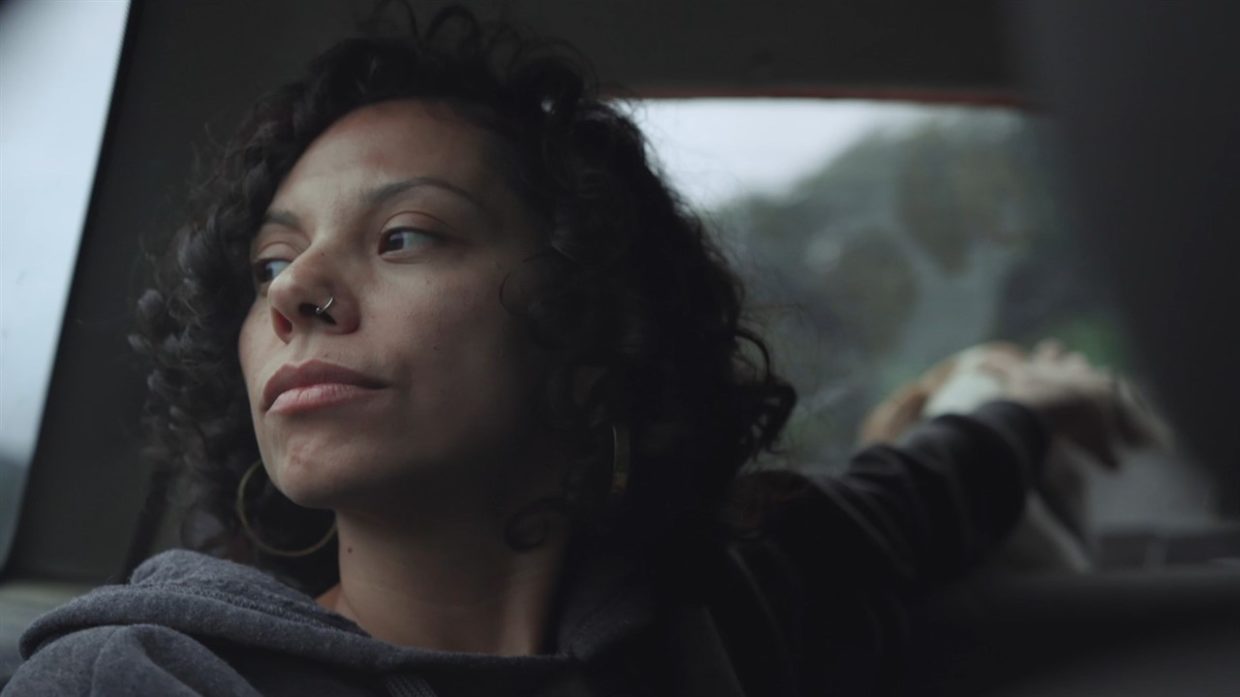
(343, 482)
(308, 494)
(318, 482)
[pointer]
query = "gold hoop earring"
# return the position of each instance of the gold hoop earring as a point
(263, 546)
(619, 458)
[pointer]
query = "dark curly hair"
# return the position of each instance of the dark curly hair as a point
(634, 291)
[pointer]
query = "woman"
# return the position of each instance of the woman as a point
(467, 391)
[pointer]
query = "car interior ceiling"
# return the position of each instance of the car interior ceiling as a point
(1112, 74)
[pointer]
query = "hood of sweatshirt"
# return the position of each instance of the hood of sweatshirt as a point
(607, 600)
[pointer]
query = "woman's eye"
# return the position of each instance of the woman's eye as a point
(404, 239)
(265, 270)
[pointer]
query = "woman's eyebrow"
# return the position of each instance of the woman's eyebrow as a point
(280, 217)
(383, 193)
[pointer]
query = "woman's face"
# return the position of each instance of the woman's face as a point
(402, 216)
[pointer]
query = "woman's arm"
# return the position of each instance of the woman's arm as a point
(930, 507)
(914, 514)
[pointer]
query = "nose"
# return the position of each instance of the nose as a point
(310, 295)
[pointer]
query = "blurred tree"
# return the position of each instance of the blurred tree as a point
(903, 249)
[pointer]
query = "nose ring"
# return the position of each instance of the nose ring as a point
(320, 310)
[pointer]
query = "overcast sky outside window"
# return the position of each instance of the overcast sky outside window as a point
(716, 149)
(57, 68)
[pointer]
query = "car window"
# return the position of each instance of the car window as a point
(58, 63)
(877, 238)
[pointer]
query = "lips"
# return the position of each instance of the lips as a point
(315, 373)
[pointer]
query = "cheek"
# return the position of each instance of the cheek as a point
(473, 350)
(249, 346)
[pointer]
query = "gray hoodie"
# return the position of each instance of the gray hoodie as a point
(810, 605)
(192, 624)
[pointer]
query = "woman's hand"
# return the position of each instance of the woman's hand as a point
(1087, 406)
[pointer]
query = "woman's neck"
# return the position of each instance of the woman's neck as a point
(451, 586)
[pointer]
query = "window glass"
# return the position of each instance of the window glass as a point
(57, 66)
(878, 238)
